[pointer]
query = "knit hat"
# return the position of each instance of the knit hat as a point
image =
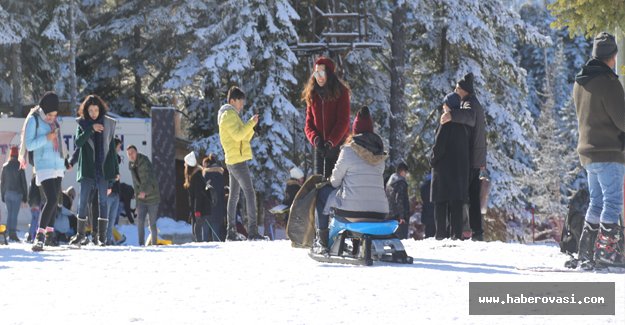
(327, 62)
(604, 46)
(363, 122)
(466, 83)
(296, 173)
(452, 100)
(190, 159)
(49, 102)
(14, 152)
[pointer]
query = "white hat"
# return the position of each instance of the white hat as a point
(296, 173)
(190, 159)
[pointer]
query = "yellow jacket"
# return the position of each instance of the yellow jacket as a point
(234, 135)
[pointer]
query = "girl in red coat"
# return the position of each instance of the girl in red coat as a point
(327, 114)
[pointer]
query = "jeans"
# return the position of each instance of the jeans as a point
(13, 201)
(87, 185)
(34, 222)
(113, 214)
(322, 220)
(151, 210)
(605, 183)
(240, 178)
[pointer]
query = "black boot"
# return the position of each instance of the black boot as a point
(77, 239)
(13, 237)
(586, 250)
(40, 239)
(608, 250)
(102, 228)
(320, 246)
(51, 239)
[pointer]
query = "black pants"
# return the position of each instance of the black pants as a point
(448, 211)
(475, 212)
(327, 159)
(51, 189)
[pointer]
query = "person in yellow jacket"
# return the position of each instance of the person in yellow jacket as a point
(235, 137)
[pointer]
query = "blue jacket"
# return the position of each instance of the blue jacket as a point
(46, 158)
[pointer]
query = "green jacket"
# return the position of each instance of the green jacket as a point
(144, 180)
(86, 156)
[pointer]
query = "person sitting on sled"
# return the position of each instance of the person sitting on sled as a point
(356, 188)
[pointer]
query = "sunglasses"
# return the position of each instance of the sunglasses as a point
(319, 74)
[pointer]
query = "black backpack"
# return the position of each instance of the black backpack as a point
(31, 157)
(572, 229)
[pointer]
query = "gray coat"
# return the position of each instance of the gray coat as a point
(472, 114)
(358, 178)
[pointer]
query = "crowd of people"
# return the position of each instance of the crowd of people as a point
(352, 160)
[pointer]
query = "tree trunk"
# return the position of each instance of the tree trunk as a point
(136, 64)
(17, 77)
(398, 84)
(73, 87)
(620, 58)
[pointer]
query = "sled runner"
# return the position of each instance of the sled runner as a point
(361, 241)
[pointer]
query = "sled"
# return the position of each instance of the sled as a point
(3, 233)
(362, 241)
(301, 225)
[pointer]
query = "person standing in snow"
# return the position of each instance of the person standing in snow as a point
(327, 101)
(356, 186)
(147, 192)
(427, 207)
(14, 191)
(98, 164)
(293, 185)
(112, 205)
(397, 194)
(472, 115)
(41, 134)
(450, 172)
(235, 137)
(600, 105)
(215, 183)
(199, 198)
(34, 201)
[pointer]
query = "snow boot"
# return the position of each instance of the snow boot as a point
(102, 228)
(257, 236)
(40, 239)
(78, 239)
(608, 250)
(233, 235)
(13, 237)
(51, 239)
(320, 246)
(586, 250)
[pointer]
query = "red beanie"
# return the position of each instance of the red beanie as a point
(363, 122)
(14, 152)
(327, 62)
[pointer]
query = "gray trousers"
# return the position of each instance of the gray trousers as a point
(150, 210)
(241, 179)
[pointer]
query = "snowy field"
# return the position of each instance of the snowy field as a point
(270, 283)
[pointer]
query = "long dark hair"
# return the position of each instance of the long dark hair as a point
(83, 110)
(333, 84)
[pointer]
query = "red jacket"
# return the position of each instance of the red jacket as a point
(328, 119)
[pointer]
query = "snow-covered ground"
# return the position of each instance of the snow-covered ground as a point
(270, 283)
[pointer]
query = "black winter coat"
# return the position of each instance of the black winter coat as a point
(451, 163)
(397, 194)
(13, 179)
(199, 197)
(214, 176)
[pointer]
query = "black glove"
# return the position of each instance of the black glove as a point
(317, 142)
(327, 146)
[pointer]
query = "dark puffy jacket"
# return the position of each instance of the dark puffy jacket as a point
(13, 179)
(199, 196)
(397, 194)
(214, 176)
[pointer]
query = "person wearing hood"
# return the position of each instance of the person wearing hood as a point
(235, 137)
(14, 191)
(450, 164)
(98, 164)
(327, 114)
(216, 184)
(356, 188)
(41, 135)
(472, 115)
(399, 204)
(600, 106)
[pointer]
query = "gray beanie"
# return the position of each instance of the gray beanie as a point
(604, 46)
